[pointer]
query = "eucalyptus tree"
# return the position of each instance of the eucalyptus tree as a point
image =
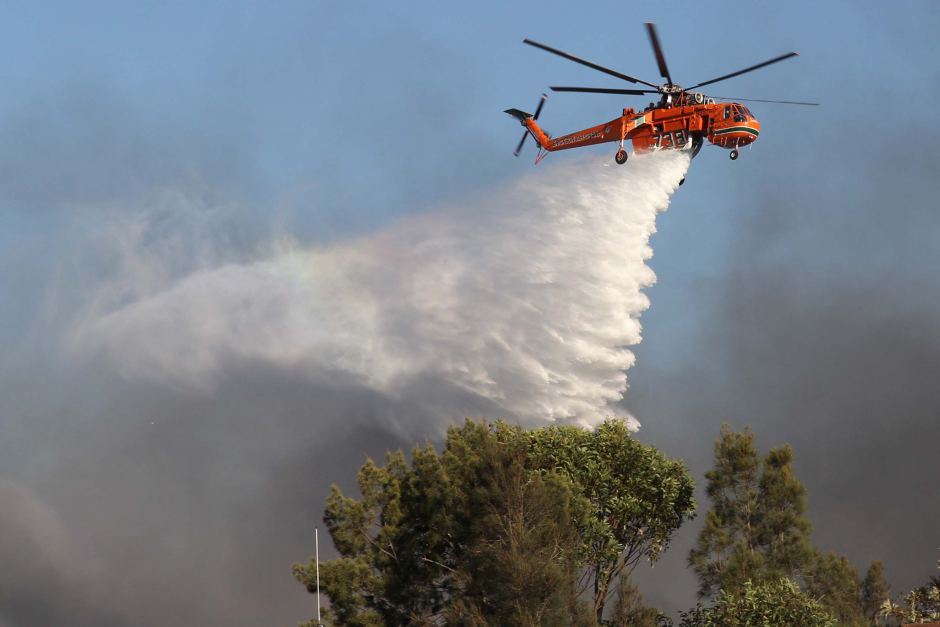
(503, 525)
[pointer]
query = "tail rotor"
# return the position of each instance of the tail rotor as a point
(538, 110)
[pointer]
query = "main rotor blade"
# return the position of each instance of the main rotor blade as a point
(658, 51)
(746, 70)
(810, 104)
(604, 90)
(521, 141)
(594, 66)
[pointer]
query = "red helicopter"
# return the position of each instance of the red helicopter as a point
(682, 119)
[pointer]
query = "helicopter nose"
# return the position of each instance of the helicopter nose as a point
(753, 131)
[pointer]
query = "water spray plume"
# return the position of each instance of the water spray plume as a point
(528, 297)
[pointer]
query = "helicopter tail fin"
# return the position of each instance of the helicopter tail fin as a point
(528, 120)
(520, 115)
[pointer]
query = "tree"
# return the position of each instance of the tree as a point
(726, 551)
(920, 605)
(760, 605)
(756, 529)
(875, 591)
(782, 526)
(521, 565)
(638, 497)
(833, 581)
(631, 611)
(469, 533)
(503, 526)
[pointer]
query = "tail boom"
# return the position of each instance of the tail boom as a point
(618, 129)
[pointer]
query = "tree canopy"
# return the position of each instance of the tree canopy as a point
(767, 604)
(510, 526)
(503, 524)
(834, 582)
(920, 605)
(875, 591)
(638, 497)
(756, 529)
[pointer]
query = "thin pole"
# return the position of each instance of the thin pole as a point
(316, 541)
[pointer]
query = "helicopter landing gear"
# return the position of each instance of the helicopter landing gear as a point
(621, 156)
(734, 154)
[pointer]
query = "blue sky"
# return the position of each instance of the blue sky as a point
(807, 256)
(312, 95)
(308, 90)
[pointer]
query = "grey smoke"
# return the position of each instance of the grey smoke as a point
(164, 456)
(526, 297)
(823, 331)
(128, 501)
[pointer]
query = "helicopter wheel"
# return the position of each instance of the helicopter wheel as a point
(621, 157)
(734, 154)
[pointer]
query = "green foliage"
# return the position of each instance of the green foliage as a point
(524, 546)
(504, 526)
(833, 581)
(768, 604)
(920, 605)
(725, 553)
(783, 529)
(638, 496)
(756, 529)
(465, 536)
(630, 611)
(875, 591)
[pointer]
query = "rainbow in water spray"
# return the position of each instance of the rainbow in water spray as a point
(528, 296)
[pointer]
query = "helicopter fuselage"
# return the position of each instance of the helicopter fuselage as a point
(664, 126)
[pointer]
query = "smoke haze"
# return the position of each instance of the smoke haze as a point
(206, 389)
(248, 189)
(823, 333)
(526, 298)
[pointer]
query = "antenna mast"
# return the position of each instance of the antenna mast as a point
(316, 542)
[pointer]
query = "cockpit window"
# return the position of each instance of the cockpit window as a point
(739, 113)
(727, 112)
